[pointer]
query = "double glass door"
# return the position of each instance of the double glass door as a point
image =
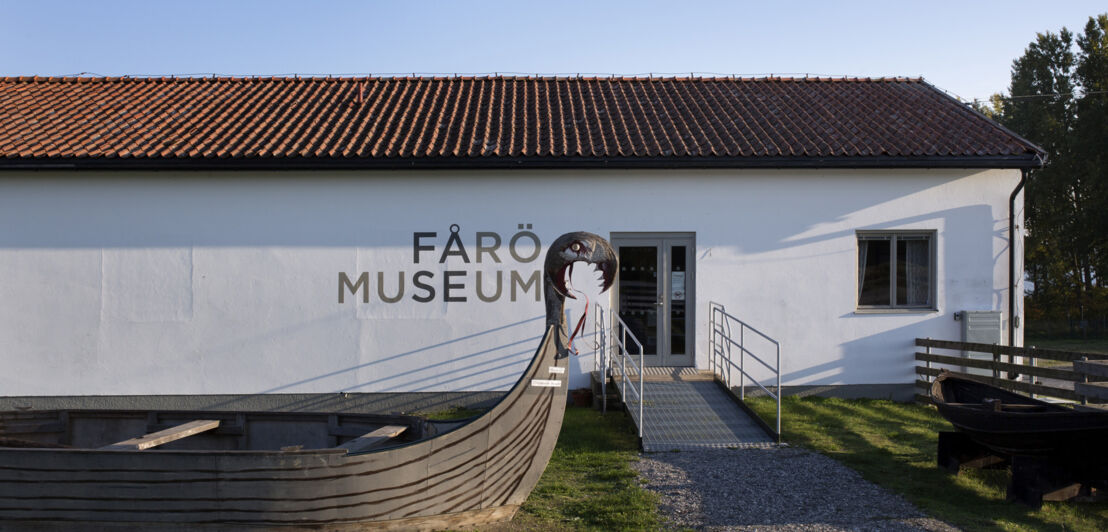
(654, 294)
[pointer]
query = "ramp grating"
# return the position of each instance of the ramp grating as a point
(692, 415)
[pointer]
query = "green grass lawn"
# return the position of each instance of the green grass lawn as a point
(589, 484)
(893, 445)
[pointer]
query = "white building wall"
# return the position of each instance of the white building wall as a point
(121, 283)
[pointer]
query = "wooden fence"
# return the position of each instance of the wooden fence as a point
(1005, 366)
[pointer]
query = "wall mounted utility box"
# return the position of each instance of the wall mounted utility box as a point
(981, 327)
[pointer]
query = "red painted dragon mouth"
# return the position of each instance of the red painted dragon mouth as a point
(605, 276)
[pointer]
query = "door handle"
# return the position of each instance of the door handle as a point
(661, 301)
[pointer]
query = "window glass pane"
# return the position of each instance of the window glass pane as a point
(678, 286)
(913, 272)
(873, 272)
(901, 282)
(638, 293)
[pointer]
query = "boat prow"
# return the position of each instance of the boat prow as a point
(82, 470)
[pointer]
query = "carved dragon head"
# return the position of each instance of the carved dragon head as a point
(566, 251)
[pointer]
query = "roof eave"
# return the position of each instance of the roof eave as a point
(1028, 160)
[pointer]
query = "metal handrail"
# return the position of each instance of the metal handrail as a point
(751, 353)
(625, 356)
(721, 362)
(600, 354)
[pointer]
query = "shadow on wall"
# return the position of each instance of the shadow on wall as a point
(502, 364)
(769, 201)
(505, 355)
(967, 256)
(871, 355)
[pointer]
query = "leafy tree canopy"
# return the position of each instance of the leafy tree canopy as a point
(1058, 99)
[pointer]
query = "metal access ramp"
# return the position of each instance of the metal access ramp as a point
(682, 409)
(686, 416)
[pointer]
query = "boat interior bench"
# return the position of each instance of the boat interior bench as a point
(115, 430)
(160, 437)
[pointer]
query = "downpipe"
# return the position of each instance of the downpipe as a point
(1012, 258)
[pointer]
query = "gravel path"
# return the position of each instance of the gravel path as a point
(773, 489)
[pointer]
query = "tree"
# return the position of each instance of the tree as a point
(1059, 100)
(1091, 128)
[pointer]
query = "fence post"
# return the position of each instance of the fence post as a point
(1084, 379)
(996, 361)
(1031, 378)
(927, 364)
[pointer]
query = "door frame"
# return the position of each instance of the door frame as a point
(665, 242)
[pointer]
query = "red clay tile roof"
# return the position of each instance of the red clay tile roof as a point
(494, 121)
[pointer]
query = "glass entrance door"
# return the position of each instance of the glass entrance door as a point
(654, 294)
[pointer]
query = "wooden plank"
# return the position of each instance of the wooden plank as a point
(346, 432)
(31, 427)
(1052, 373)
(162, 437)
(1015, 386)
(224, 429)
(1094, 390)
(370, 439)
(1101, 408)
(1094, 368)
(1031, 352)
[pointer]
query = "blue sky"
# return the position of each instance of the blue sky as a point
(964, 47)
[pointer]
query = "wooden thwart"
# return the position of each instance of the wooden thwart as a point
(161, 437)
(371, 439)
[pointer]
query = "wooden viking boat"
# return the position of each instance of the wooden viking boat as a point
(97, 470)
(1013, 424)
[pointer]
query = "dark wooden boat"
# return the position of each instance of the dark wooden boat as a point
(1013, 424)
(226, 471)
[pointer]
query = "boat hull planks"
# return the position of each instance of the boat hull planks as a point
(1017, 424)
(477, 473)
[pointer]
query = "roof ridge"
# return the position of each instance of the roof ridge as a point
(444, 77)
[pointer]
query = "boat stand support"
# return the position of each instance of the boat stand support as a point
(956, 450)
(1034, 479)
(1037, 479)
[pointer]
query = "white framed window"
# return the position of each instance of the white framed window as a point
(896, 270)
